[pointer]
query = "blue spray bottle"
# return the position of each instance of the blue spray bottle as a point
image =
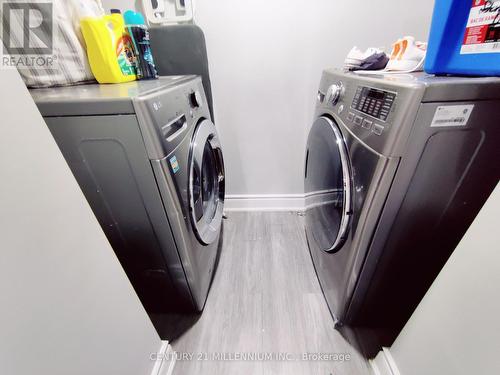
(137, 29)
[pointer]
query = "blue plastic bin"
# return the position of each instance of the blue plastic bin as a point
(464, 38)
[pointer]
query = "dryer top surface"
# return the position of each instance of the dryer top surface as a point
(100, 99)
(435, 88)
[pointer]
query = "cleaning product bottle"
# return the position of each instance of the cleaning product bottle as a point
(109, 48)
(145, 66)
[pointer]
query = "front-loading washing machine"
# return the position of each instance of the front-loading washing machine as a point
(397, 167)
(149, 161)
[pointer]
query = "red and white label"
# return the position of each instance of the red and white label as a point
(482, 33)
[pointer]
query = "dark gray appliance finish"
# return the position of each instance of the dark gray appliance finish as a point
(149, 162)
(409, 194)
(336, 197)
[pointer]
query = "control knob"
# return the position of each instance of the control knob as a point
(334, 93)
(195, 99)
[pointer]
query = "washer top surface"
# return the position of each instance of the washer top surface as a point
(436, 88)
(99, 99)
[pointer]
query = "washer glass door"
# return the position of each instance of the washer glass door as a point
(327, 186)
(206, 183)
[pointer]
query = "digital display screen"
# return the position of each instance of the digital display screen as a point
(376, 94)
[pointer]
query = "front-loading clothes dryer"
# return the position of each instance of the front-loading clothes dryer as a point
(149, 161)
(397, 167)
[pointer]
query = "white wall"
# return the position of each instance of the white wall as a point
(66, 306)
(455, 329)
(266, 59)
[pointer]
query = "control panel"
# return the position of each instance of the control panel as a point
(366, 110)
(377, 110)
(373, 102)
(169, 114)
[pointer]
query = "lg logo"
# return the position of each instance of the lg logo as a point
(157, 106)
(27, 28)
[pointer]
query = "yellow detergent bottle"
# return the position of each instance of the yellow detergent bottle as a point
(109, 48)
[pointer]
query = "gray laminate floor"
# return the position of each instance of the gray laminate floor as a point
(265, 301)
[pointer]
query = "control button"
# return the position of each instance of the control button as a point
(367, 124)
(350, 116)
(340, 109)
(378, 129)
(358, 120)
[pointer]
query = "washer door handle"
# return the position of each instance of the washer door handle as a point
(347, 185)
(328, 185)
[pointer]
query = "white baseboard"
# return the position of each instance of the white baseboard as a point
(165, 360)
(264, 202)
(383, 364)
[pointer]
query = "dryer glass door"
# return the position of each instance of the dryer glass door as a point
(206, 183)
(328, 185)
